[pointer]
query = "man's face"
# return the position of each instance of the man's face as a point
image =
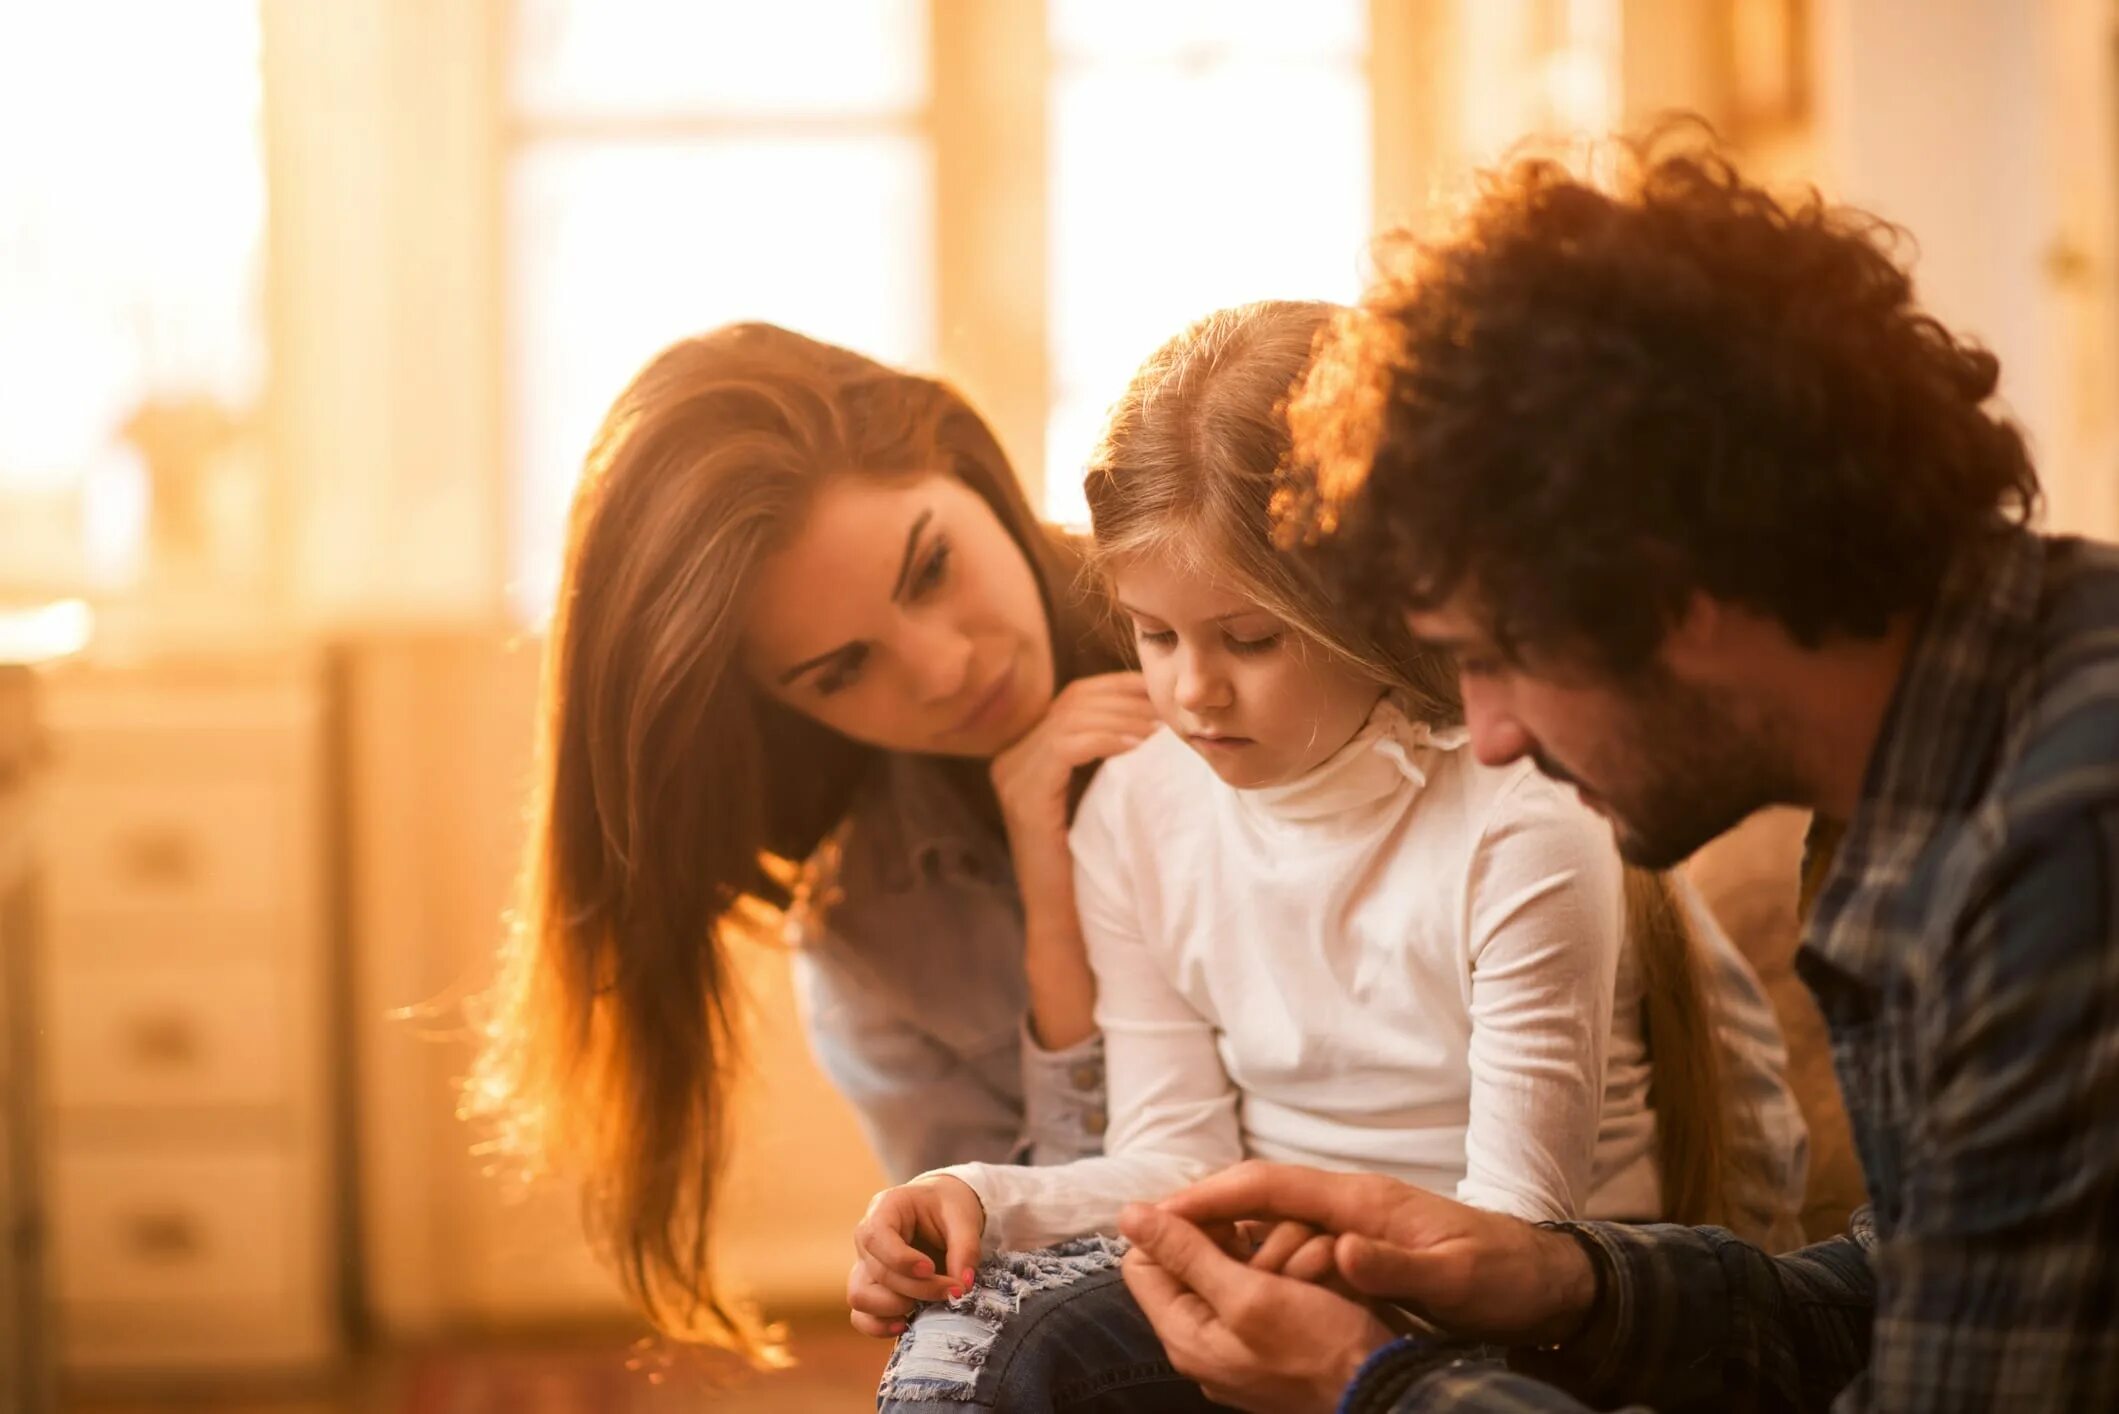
(1670, 763)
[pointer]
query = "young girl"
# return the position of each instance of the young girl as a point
(1321, 932)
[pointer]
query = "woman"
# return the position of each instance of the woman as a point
(815, 664)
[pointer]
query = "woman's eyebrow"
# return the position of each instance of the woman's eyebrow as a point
(897, 591)
(912, 543)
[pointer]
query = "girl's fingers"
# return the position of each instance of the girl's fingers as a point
(876, 1326)
(880, 1239)
(870, 1298)
(1232, 1238)
(910, 1289)
(1280, 1244)
(1312, 1261)
(883, 1240)
(963, 1225)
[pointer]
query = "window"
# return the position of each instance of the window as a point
(1203, 154)
(676, 166)
(132, 346)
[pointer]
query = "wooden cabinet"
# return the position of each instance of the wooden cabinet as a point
(186, 1044)
(25, 1324)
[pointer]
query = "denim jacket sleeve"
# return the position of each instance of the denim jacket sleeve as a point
(1063, 1100)
(908, 934)
(922, 1103)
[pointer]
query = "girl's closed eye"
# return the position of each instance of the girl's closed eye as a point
(1263, 643)
(1154, 637)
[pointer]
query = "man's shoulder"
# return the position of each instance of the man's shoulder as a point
(2063, 753)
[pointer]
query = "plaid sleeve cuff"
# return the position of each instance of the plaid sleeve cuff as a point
(1596, 1354)
(1390, 1374)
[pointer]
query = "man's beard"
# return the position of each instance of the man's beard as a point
(1687, 768)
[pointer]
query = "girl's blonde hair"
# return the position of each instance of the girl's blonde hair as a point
(1187, 470)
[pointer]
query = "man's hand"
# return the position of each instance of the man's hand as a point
(1251, 1338)
(1471, 1272)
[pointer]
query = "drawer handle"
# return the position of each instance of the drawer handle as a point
(161, 856)
(163, 1237)
(168, 1040)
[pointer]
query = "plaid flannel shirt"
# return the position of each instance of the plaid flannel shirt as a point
(1963, 944)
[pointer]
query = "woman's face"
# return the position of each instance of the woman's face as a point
(903, 615)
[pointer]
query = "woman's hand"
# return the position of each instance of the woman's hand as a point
(897, 1247)
(1090, 719)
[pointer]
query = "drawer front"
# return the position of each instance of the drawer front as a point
(150, 1229)
(205, 1034)
(188, 853)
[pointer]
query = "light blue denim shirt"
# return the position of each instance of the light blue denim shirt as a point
(909, 968)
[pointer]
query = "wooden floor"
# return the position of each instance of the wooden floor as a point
(835, 1371)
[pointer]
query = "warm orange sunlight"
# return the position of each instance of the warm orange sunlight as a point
(310, 314)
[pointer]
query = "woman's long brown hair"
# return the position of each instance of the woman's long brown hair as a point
(671, 798)
(1190, 462)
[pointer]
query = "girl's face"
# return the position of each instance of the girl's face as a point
(903, 615)
(1258, 701)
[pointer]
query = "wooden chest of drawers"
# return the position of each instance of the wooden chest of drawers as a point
(25, 1321)
(187, 1038)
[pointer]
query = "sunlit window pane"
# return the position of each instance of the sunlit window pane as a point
(621, 248)
(1104, 31)
(131, 219)
(1183, 180)
(575, 58)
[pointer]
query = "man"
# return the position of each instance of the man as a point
(1714, 517)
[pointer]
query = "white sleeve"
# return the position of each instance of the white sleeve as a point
(1545, 921)
(1172, 1107)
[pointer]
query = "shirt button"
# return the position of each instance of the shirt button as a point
(1094, 1122)
(1086, 1076)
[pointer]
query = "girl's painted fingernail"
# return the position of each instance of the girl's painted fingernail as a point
(897, 1328)
(970, 1278)
(955, 1292)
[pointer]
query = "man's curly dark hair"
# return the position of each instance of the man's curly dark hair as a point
(1586, 404)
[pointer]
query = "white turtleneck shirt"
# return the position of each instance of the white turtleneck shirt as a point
(1403, 962)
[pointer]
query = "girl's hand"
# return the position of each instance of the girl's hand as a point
(1291, 1249)
(898, 1244)
(1090, 719)
(874, 1308)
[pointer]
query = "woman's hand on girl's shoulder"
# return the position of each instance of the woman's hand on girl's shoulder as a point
(1092, 718)
(919, 1242)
